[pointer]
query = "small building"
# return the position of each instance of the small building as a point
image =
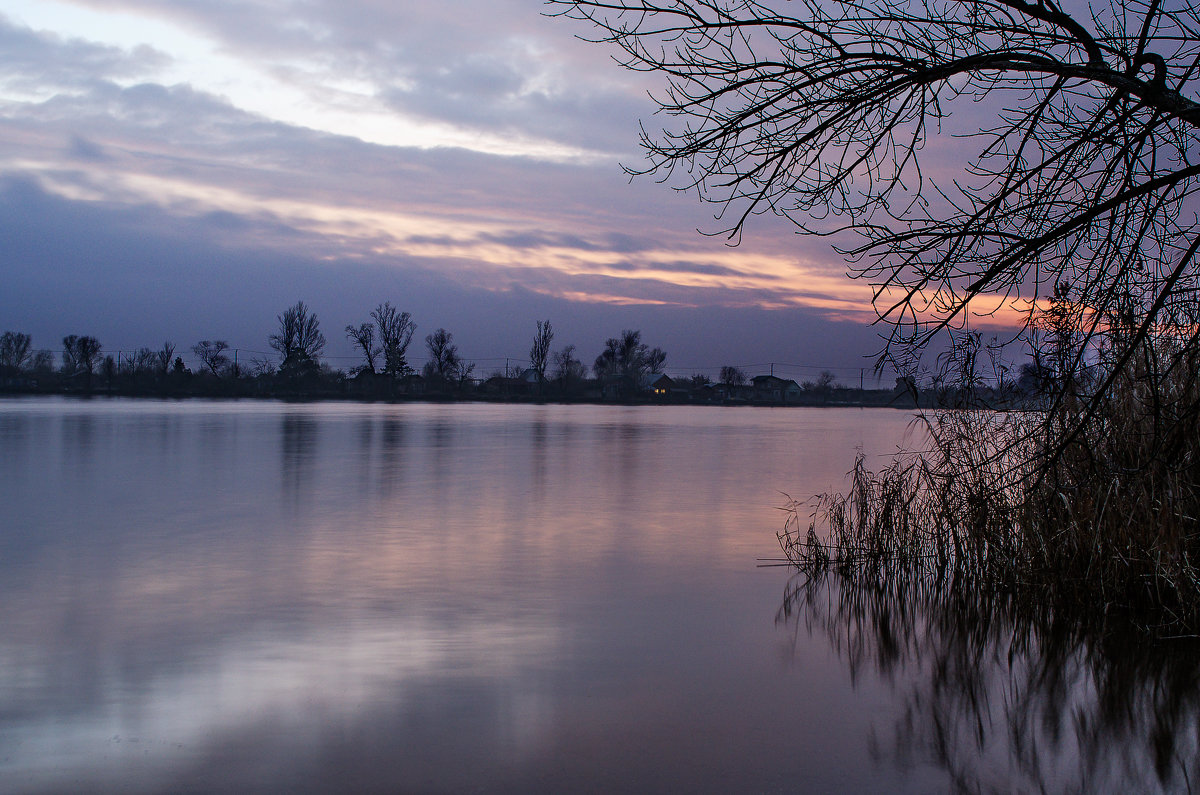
(660, 385)
(773, 389)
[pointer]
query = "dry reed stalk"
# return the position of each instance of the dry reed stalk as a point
(1091, 506)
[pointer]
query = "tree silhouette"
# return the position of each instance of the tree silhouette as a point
(364, 337)
(163, 358)
(80, 355)
(824, 384)
(14, 352)
(395, 333)
(444, 361)
(211, 354)
(628, 360)
(142, 361)
(299, 341)
(41, 362)
(569, 372)
(540, 350)
(732, 376)
(140, 368)
(1085, 129)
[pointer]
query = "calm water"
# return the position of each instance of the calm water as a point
(256, 596)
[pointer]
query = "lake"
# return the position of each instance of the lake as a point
(259, 596)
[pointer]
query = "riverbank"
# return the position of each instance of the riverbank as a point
(348, 390)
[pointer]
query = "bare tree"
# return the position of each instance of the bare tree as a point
(163, 358)
(824, 111)
(539, 352)
(80, 355)
(732, 376)
(825, 382)
(14, 352)
(628, 359)
(42, 362)
(299, 340)
(364, 337)
(262, 367)
(139, 367)
(654, 360)
(463, 371)
(395, 333)
(141, 362)
(444, 361)
(568, 371)
(211, 354)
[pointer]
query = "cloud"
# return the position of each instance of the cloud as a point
(486, 68)
(81, 148)
(136, 275)
(37, 63)
(510, 91)
(144, 208)
(490, 221)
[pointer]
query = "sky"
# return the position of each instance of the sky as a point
(186, 169)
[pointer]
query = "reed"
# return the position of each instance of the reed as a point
(1086, 504)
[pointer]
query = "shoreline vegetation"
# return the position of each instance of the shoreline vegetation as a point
(627, 371)
(1081, 511)
(835, 398)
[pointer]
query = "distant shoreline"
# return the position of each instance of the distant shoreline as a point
(853, 399)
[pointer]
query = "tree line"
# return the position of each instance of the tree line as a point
(623, 369)
(383, 342)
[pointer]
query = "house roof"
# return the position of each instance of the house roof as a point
(773, 381)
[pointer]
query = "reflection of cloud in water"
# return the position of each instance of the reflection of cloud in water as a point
(442, 585)
(1011, 701)
(271, 680)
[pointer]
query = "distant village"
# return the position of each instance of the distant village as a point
(627, 371)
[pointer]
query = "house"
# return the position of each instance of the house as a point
(660, 385)
(773, 389)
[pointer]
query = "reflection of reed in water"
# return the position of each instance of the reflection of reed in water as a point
(1007, 698)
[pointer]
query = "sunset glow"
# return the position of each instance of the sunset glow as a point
(433, 156)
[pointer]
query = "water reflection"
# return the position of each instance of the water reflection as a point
(79, 432)
(392, 460)
(1011, 701)
(249, 596)
(298, 446)
(538, 436)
